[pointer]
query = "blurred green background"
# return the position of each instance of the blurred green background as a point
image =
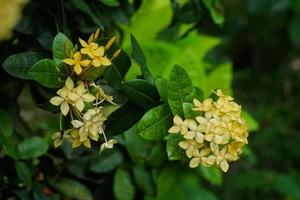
(249, 48)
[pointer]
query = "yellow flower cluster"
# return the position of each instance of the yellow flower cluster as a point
(216, 136)
(91, 54)
(10, 14)
(82, 100)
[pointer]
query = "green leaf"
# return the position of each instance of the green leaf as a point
(111, 3)
(46, 73)
(216, 10)
(117, 71)
(251, 122)
(143, 179)
(6, 126)
(188, 112)
(62, 46)
(107, 161)
(173, 150)
(32, 148)
(122, 119)
(17, 65)
(123, 186)
(141, 93)
(287, 186)
(24, 174)
(180, 90)
(212, 174)
(139, 57)
(71, 188)
(85, 8)
(155, 123)
(162, 88)
(157, 155)
(138, 148)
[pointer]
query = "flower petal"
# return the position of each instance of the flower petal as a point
(56, 100)
(79, 105)
(194, 162)
(224, 165)
(64, 107)
(69, 84)
(83, 43)
(73, 96)
(88, 97)
(77, 124)
(77, 56)
(105, 61)
(69, 61)
(87, 143)
(96, 62)
(77, 69)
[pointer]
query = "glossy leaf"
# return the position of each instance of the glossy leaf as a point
(143, 179)
(62, 46)
(180, 90)
(123, 185)
(24, 174)
(141, 93)
(32, 148)
(107, 161)
(139, 57)
(17, 65)
(216, 10)
(173, 150)
(46, 73)
(72, 188)
(155, 123)
(162, 88)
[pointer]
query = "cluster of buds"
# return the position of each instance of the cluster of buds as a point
(82, 100)
(216, 136)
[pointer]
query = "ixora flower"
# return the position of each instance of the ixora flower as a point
(91, 126)
(68, 95)
(216, 136)
(77, 62)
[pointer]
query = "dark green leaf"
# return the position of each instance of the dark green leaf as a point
(139, 57)
(173, 150)
(62, 46)
(162, 88)
(24, 174)
(155, 123)
(143, 179)
(46, 73)
(72, 188)
(117, 71)
(107, 161)
(138, 148)
(180, 90)
(123, 186)
(157, 155)
(6, 126)
(32, 148)
(188, 112)
(85, 8)
(122, 119)
(18, 65)
(111, 3)
(212, 174)
(216, 10)
(141, 93)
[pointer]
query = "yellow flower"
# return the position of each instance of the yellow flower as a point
(63, 99)
(57, 139)
(80, 95)
(108, 144)
(179, 125)
(91, 126)
(94, 36)
(76, 142)
(88, 48)
(98, 58)
(100, 94)
(77, 62)
(217, 134)
(10, 14)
